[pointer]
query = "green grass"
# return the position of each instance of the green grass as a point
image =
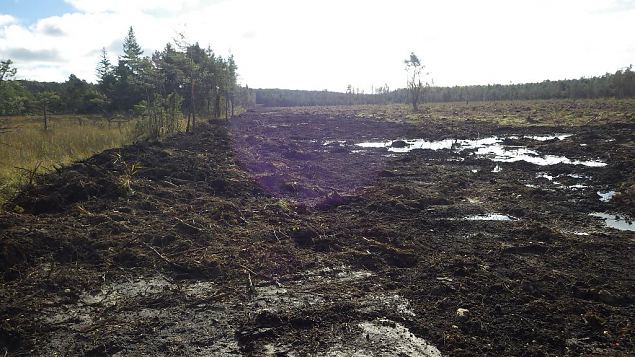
(27, 146)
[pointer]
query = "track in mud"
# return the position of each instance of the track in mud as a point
(284, 234)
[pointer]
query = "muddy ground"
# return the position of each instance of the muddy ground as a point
(279, 234)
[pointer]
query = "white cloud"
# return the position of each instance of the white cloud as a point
(328, 44)
(123, 6)
(7, 20)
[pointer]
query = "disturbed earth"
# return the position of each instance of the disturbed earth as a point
(298, 232)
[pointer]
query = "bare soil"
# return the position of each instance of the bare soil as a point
(276, 234)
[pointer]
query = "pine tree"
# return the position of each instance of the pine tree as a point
(131, 52)
(104, 67)
(7, 71)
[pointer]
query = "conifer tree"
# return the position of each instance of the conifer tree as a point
(131, 52)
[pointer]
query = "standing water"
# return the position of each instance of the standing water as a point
(491, 148)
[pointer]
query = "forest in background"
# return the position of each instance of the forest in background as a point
(205, 84)
(620, 84)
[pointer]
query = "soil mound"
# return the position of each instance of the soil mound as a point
(56, 192)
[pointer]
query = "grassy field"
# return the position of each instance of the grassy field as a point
(26, 147)
(513, 113)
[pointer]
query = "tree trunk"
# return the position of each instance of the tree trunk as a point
(46, 119)
(192, 105)
(212, 101)
(209, 107)
(414, 98)
(217, 106)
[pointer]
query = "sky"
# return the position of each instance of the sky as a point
(328, 44)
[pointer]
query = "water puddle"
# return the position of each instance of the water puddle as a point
(546, 176)
(338, 142)
(579, 176)
(606, 196)
(615, 222)
(552, 178)
(548, 137)
(490, 217)
(491, 148)
(409, 145)
(374, 144)
(577, 187)
(502, 153)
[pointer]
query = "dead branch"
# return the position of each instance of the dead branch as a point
(186, 226)
(168, 261)
(31, 173)
(263, 276)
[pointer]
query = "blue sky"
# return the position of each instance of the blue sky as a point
(29, 11)
(328, 44)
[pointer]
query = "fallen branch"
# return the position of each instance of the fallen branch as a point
(169, 183)
(161, 255)
(192, 250)
(263, 276)
(184, 226)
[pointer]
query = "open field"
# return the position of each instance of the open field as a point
(516, 113)
(485, 229)
(27, 146)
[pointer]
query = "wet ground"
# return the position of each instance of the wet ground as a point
(296, 233)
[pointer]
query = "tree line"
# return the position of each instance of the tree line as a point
(620, 84)
(20, 97)
(200, 83)
(183, 79)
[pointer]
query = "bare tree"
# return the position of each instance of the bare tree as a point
(416, 87)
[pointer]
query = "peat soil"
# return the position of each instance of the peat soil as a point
(279, 234)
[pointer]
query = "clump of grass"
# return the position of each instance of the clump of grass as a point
(128, 171)
(26, 147)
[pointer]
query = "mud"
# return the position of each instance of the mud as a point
(278, 234)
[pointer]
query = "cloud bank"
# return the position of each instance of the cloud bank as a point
(328, 44)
